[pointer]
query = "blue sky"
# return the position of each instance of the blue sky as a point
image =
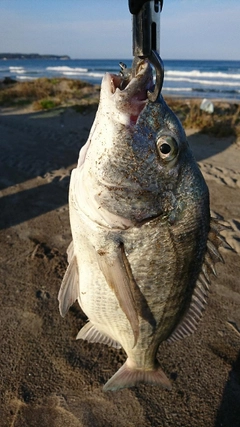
(190, 29)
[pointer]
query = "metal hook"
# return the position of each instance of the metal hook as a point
(146, 29)
(125, 74)
(157, 63)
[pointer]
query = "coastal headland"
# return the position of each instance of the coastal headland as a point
(31, 56)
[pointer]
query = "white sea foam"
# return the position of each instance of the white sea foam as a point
(178, 89)
(73, 73)
(204, 82)
(96, 74)
(19, 71)
(26, 78)
(196, 73)
(15, 68)
(68, 69)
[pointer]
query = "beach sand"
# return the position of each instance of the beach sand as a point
(47, 378)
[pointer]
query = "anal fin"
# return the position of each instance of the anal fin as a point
(90, 333)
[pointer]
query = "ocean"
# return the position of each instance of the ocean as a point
(183, 78)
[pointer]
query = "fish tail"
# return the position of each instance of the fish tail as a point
(128, 376)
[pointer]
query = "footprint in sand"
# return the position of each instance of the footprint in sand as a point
(232, 235)
(221, 175)
(231, 232)
(78, 410)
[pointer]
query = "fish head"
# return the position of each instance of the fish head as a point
(137, 159)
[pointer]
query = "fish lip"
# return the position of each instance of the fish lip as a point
(133, 97)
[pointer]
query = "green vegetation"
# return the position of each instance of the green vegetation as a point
(44, 94)
(46, 104)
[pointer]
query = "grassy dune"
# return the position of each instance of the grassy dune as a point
(43, 94)
(225, 121)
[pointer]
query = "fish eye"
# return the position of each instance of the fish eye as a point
(167, 147)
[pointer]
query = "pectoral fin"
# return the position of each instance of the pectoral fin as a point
(142, 307)
(118, 274)
(118, 279)
(69, 290)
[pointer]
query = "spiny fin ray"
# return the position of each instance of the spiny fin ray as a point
(194, 313)
(90, 333)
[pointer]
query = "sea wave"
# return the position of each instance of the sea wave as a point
(15, 68)
(178, 89)
(204, 82)
(18, 71)
(200, 90)
(219, 91)
(67, 69)
(196, 73)
(73, 73)
(27, 78)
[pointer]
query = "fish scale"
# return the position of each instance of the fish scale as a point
(143, 243)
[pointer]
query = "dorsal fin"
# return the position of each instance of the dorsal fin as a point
(193, 315)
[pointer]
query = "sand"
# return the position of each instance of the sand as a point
(47, 378)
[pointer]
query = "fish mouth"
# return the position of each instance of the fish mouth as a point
(130, 94)
(141, 82)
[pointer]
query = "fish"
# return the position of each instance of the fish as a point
(144, 244)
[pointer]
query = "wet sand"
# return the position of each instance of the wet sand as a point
(47, 378)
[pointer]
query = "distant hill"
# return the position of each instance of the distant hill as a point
(31, 56)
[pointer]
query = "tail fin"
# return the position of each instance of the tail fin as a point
(130, 377)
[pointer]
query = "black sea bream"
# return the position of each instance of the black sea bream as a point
(143, 241)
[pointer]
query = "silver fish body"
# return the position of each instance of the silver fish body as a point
(143, 242)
